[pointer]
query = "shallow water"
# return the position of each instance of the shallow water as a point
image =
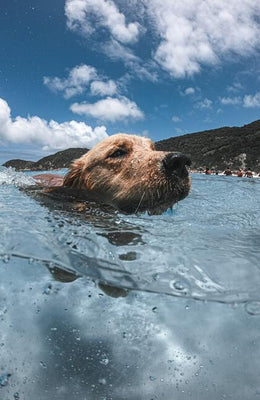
(189, 328)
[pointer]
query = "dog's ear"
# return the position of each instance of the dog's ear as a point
(73, 178)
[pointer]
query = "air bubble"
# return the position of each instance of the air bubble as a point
(253, 307)
(6, 258)
(4, 379)
(47, 289)
(180, 285)
(104, 361)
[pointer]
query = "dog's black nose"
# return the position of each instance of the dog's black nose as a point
(176, 162)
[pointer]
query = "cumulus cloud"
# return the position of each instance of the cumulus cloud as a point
(234, 101)
(248, 101)
(109, 109)
(78, 79)
(188, 33)
(252, 101)
(189, 90)
(86, 15)
(195, 33)
(101, 88)
(50, 135)
(204, 104)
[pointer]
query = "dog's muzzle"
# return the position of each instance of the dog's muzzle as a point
(176, 163)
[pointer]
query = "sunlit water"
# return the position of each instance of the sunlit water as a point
(63, 336)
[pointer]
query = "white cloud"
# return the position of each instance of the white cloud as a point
(189, 90)
(189, 34)
(231, 101)
(204, 104)
(235, 88)
(50, 135)
(86, 15)
(100, 88)
(251, 101)
(116, 51)
(135, 65)
(175, 118)
(203, 32)
(78, 79)
(109, 109)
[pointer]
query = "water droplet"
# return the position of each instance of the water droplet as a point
(104, 361)
(4, 379)
(6, 258)
(47, 289)
(155, 277)
(253, 307)
(180, 285)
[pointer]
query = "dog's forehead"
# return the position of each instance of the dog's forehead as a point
(126, 140)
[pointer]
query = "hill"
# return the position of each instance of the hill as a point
(236, 147)
(62, 159)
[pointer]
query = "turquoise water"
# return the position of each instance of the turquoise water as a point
(186, 322)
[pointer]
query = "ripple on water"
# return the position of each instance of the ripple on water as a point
(208, 249)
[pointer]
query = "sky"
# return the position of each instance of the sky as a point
(74, 71)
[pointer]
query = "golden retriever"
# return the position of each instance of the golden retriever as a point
(127, 173)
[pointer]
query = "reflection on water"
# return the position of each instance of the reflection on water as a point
(77, 318)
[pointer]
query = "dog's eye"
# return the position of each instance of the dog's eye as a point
(118, 153)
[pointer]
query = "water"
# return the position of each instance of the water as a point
(94, 304)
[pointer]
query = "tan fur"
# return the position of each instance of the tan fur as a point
(132, 182)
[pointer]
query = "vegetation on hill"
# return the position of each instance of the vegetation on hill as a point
(235, 147)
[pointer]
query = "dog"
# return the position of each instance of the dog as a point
(126, 172)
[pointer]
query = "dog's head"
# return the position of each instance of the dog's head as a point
(126, 172)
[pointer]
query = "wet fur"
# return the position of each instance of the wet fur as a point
(133, 182)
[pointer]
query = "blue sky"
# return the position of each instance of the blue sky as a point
(74, 71)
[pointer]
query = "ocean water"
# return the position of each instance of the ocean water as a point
(100, 305)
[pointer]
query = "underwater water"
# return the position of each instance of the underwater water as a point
(101, 305)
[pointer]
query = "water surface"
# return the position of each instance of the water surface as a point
(186, 322)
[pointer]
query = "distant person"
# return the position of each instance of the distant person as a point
(227, 171)
(240, 173)
(216, 172)
(207, 171)
(249, 173)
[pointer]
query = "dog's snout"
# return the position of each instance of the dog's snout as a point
(176, 162)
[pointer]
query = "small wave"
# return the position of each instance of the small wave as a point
(8, 176)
